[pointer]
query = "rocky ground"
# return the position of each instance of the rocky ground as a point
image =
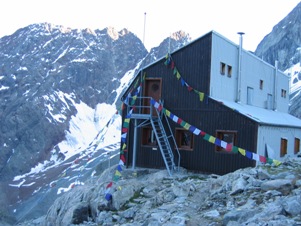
(265, 195)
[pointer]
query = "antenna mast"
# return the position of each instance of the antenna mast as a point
(169, 43)
(144, 27)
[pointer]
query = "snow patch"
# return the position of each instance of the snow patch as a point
(85, 126)
(293, 72)
(4, 88)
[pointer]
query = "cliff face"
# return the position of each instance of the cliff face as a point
(45, 70)
(283, 45)
(59, 91)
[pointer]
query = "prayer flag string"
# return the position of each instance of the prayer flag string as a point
(227, 146)
(130, 101)
(170, 63)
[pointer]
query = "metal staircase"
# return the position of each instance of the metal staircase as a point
(163, 134)
(164, 140)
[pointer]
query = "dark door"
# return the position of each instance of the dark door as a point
(152, 88)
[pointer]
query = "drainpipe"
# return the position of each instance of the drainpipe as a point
(239, 67)
(135, 145)
(275, 86)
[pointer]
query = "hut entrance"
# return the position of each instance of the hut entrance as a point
(152, 88)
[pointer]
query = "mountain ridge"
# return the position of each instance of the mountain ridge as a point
(53, 79)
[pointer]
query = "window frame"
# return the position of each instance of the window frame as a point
(222, 68)
(229, 71)
(283, 147)
(283, 93)
(261, 84)
(220, 134)
(148, 133)
(179, 133)
(296, 145)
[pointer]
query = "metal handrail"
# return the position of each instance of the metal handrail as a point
(141, 110)
(140, 106)
(173, 138)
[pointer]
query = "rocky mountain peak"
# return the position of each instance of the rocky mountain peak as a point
(52, 79)
(283, 41)
(45, 69)
(180, 35)
(283, 44)
(114, 34)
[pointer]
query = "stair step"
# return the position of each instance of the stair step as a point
(164, 145)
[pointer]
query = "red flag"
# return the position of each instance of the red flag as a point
(180, 120)
(110, 184)
(122, 158)
(172, 65)
(262, 159)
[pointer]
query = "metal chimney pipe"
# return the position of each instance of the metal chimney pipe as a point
(275, 86)
(238, 94)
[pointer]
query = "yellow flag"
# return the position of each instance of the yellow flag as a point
(212, 139)
(242, 151)
(167, 112)
(276, 162)
(117, 173)
(124, 146)
(186, 126)
(178, 75)
(201, 96)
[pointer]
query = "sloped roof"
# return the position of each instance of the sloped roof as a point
(263, 116)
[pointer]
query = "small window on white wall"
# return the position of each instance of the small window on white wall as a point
(261, 84)
(223, 68)
(250, 93)
(283, 93)
(229, 70)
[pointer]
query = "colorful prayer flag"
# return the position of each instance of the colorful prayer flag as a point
(108, 196)
(242, 151)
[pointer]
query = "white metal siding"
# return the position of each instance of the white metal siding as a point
(222, 86)
(253, 70)
(269, 135)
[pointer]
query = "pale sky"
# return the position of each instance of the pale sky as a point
(256, 18)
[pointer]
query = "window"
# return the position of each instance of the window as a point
(223, 68)
(148, 137)
(283, 150)
(184, 139)
(229, 69)
(228, 136)
(297, 145)
(283, 93)
(250, 93)
(261, 84)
